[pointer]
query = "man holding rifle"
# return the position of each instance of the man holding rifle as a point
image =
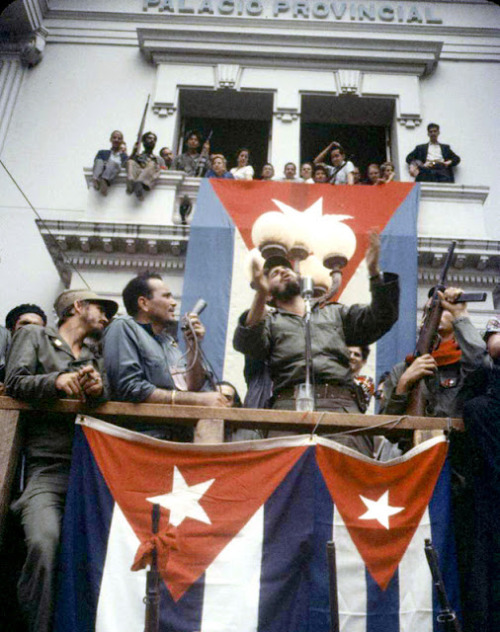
(438, 378)
(144, 169)
(192, 162)
(459, 351)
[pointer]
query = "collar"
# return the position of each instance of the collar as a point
(148, 327)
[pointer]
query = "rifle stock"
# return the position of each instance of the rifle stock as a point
(427, 338)
(152, 598)
(447, 618)
(332, 577)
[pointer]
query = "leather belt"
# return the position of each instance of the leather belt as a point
(321, 391)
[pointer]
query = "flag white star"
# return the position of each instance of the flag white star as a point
(380, 509)
(314, 212)
(183, 500)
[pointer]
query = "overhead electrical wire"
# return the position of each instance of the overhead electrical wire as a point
(42, 221)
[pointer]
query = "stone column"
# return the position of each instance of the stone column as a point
(285, 144)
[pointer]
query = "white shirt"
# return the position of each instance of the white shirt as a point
(434, 153)
(243, 173)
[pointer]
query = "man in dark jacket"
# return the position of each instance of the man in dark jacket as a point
(107, 163)
(46, 364)
(436, 160)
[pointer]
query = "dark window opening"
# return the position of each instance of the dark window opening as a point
(236, 120)
(361, 125)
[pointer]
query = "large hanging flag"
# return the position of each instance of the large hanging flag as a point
(220, 240)
(252, 520)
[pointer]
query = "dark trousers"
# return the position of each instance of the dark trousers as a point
(40, 509)
(482, 600)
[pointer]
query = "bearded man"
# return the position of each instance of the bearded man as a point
(277, 336)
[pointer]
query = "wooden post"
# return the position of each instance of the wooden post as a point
(10, 444)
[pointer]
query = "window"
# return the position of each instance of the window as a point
(361, 125)
(236, 119)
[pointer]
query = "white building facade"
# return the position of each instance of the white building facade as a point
(270, 74)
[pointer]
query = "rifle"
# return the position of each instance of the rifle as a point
(200, 163)
(152, 598)
(332, 577)
(427, 337)
(447, 618)
(137, 145)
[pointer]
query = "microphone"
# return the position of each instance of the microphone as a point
(199, 306)
(306, 287)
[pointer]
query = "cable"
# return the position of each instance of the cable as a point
(392, 422)
(44, 224)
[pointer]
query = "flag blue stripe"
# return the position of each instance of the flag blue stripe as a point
(382, 608)
(288, 517)
(209, 271)
(184, 615)
(87, 518)
(319, 609)
(443, 539)
(399, 254)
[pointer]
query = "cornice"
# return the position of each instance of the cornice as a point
(440, 191)
(475, 262)
(275, 46)
(114, 246)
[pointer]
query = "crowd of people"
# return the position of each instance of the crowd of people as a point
(431, 162)
(93, 355)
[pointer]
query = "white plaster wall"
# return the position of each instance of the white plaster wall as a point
(462, 97)
(27, 274)
(66, 109)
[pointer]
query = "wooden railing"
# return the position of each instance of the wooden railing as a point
(127, 414)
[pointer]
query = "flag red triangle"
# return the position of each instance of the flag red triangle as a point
(409, 485)
(242, 483)
(371, 207)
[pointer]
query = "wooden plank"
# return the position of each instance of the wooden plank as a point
(10, 444)
(127, 413)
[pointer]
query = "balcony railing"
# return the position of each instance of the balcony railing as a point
(127, 413)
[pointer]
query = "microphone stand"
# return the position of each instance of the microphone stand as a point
(305, 396)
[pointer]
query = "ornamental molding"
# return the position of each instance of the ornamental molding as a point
(451, 192)
(348, 81)
(475, 261)
(164, 110)
(287, 115)
(295, 47)
(410, 121)
(108, 245)
(227, 76)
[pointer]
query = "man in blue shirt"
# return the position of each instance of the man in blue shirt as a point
(144, 364)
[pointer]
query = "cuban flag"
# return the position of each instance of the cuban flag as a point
(220, 241)
(252, 520)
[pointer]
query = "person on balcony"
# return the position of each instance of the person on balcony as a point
(306, 172)
(219, 168)
(341, 170)
(243, 169)
(192, 162)
(168, 156)
(289, 173)
(108, 162)
(144, 169)
(45, 364)
(437, 159)
(267, 172)
(144, 363)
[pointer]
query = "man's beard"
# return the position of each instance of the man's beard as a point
(291, 289)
